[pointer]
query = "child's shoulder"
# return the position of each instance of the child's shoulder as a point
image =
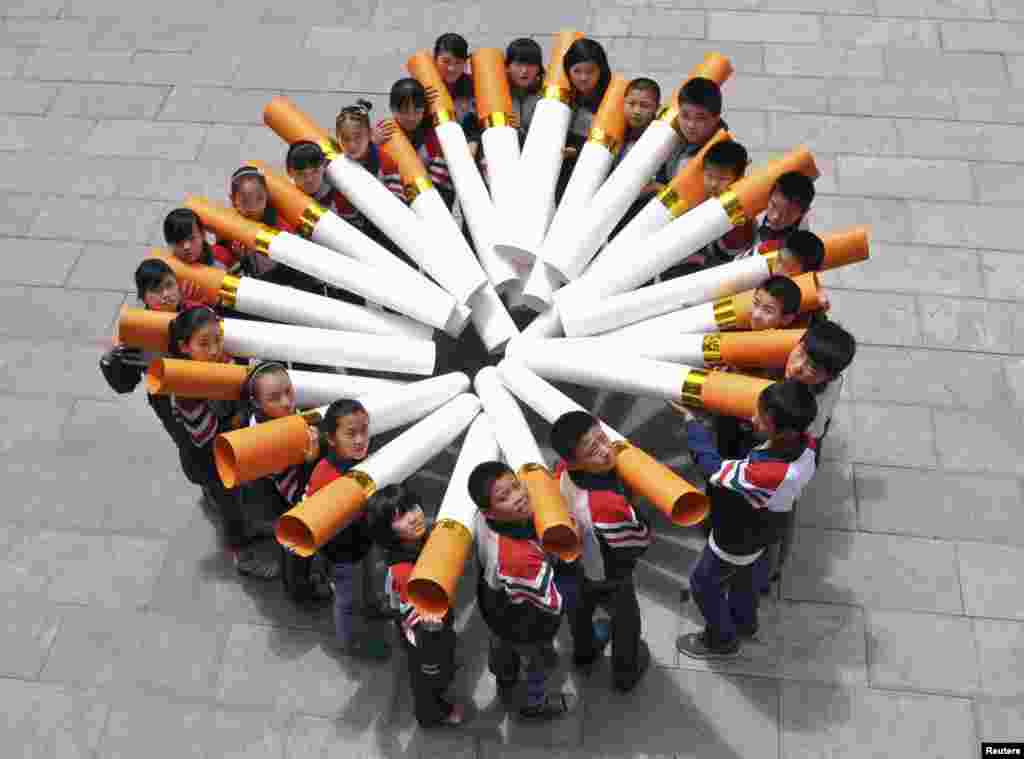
(323, 473)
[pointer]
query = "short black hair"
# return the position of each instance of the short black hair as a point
(728, 154)
(703, 92)
(244, 174)
(407, 90)
(646, 84)
(304, 155)
(829, 346)
(337, 411)
(784, 290)
(452, 43)
(482, 479)
(567, 431)
(808, 248)
(524, 50)
(790, 404)
(149, 274)
(257, 370)
(178, 225)
(383, 506)
(586, 50)
(796, 188)
(186, 324)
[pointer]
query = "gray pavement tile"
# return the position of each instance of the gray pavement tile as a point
(974, 226)
(999, 719)
(661, 55)
(952, 139)
(55, 133)
(179, 142)
(934, 8)
(344, 40)
(12, 61)
(833, 134)
(1001, 651)
(31, 425)
(146, 34)
(47, 720)
(296, 670)
(888, 218)
(527, 18)
(886, 32)
(990, 104)
(70, 34)
(858, 7)
(814, 60)
(905, 178)
(890, 99)
(47, 312)
(828, 500)
(914, 269)
(756, 27)
(349, 12)
(52, 65)
(105, 101)
(979, 442)
(922, 652)
(1014, 369)
(977, 325)
(944, 69)
(990, 575)
(887, 434)
(49, 367)
(121, 650)
(28, 171)
(212, 105)
(997, 185)
(33, 8)
(30, 98)
(98, 220)
(988, 36)
(26, 635)
(672, 23)
(107, 267)
(200, 68)
(1007, 10)
(230, 145)
(877, 318)
(931, 504)
(404, 737)
(1015, 65)
(38, 262)
(757, 93)
(842, 722)
(301, 70)
(878, 571)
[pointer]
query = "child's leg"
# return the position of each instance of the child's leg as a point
(744, 591)
(785, 542)
(581, 624)
(430, 674)
(343, 574)
(626, 627)
(536, 680)
(503, 661)
(707, 586)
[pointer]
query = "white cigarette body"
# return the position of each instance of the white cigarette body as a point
(514, 436)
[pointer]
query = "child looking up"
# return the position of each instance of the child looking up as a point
(700, 116)
(750, 502)
(352, 130)
(614, 535)
(790, 199)
(399, 527)
(641, 105)
(516, 591)
(346, 426)
(451, 54)
(524, 66)
(306, 164)
(586, 66)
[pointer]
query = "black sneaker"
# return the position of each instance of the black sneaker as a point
(554, 706)
(746, 632)
(626, 683)
(695, 645)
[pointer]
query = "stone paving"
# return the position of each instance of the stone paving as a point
(899, 628)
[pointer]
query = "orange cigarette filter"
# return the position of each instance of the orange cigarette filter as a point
(610, 118)
(554, 525)
(423, 69)
(715, 67)
(404, 155)
(289, 200)
(848, 246)
(319, 517)
(727, 393)
(209, 279)
(267, 448)
(490, 83)
(226, 222)
(291, 124)
(555, 75)
(686, 189)
(763, 349)
(435, 578)
(676, 498)
(141, 328)
(195, 379)
(753, 190)
(810, 299)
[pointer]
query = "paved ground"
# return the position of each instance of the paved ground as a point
(900, 627)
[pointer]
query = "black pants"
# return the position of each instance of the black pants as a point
(619, 599)
(229, 506)
(431, 670)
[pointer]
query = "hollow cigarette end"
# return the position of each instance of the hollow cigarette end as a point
(611, 114)
(400, 151)
(732, 394)
(226, 461)
(715, 66)
(140, 328)
(423, 69)
(555, 75)
(763, 349)
(289, 123)
(490, 82)
(753, 190)
(295, 535)
(690, 509)
(226, 222)
(209, 279)
(846, 247)
(289, 200)
(435, 578)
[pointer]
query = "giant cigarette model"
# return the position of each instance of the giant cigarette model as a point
(326, 228)
(223, 382)
(253, 452)
(616, 311)
(287, 304)
(684, 191)
(720, 392)
(364, 191)
(763, 349)
(592, 166)
(675, 497)
(689, 233)
(728, 313)
(614, 197)
(140, 328)
(435, 577)
(494, 103)
(371, 282)
(462, 274)
(320, 517)
(533, 194)
(551, 517)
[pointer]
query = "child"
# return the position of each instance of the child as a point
(270, 395)
(306, 164)
(803, 252)
(398, 526)
(750, 501)
(195, 334)
(408, 101)
(524, 65)
(641, 105)
(586, 66)
(347, 428)
(615, 536)
(700, 116)
(790, 199)
(725, 163)
(352, 130)
(776, 303)
(516, 591)
(451, 53)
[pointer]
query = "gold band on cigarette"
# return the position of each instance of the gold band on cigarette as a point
(264, 238)
(725, 312)
(497, 119)
(712, 349)
(675, 205)
(693, 387)
(229, 290)
(443, 117)
(457, 526)
(667, 114)
(601, 137)
(771, 258)
(415, 187)
(731, 205)
(331, 148)
(554, 92)
(364, 481)
(311, 216)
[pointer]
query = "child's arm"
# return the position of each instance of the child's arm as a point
(198, 419)
(702, 448)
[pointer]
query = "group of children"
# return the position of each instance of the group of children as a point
(756, 469)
